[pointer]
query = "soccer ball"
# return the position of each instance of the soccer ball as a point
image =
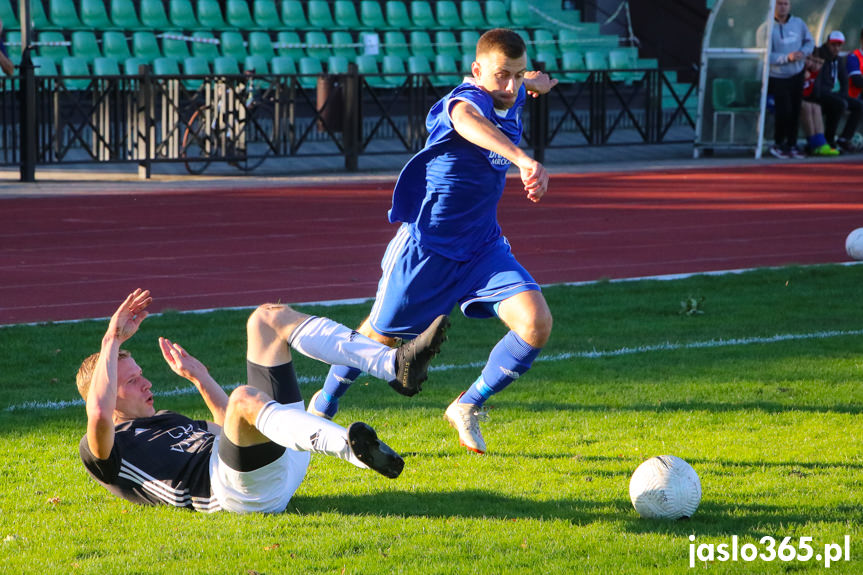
(665, 487)
(854, 244)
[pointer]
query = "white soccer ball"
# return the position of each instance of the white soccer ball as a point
(665, 487)
(854, 244)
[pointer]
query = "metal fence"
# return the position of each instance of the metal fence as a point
(244, 119)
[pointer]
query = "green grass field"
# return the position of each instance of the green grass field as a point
(754, 379)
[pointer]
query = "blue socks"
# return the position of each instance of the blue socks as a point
(510, 358)
(339, 379)
(816, 140)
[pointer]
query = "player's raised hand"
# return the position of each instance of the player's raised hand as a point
(538, 83)
(535, 179)
(128, 317)
(182, 362)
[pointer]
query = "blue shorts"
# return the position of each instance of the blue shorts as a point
(417, 285)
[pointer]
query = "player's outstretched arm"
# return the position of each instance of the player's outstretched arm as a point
(102, 396)
(189, 367)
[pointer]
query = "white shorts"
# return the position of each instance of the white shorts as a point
(264, 490)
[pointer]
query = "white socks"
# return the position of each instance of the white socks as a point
(290, 426)
(331, 342)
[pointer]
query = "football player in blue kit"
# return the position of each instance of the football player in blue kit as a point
(449, 249)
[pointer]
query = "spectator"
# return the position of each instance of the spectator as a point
(789, 45)
(834, 104)
(854, 74)
(810, 110)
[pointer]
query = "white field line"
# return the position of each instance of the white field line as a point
(594, 354)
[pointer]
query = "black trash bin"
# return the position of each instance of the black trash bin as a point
(330, 103)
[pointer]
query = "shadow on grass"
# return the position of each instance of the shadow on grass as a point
(711, 519)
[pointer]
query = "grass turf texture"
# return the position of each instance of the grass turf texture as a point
(773, 429)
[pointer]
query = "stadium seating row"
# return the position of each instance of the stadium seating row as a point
(390, 72)
(282, 14)
(150, 45)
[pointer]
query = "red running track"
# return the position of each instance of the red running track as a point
(66, 257)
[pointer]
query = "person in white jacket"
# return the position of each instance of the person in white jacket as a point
(790, 44)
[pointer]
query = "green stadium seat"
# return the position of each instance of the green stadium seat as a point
(145, 45)
(226, 66)
(124, 15)
(84, 45)
(106, 66)
(166, 66)
(94, 15)
(55, 52)
(115, 45)
(64, 15)
(421, 44)
(174, 48)
(394, 66)
(466, 62)
(320, 15)
(422, 15)
(471, 14)
(182, 15)
(283, 66)
(446, 71)
(195, 66)
(310, 69)
(572, 61)
(293, 15)
(448, 15)
(40, 17)
(75, 66)
(8, 16)
(446, 43)
(343, 45)
(132, 66)
(205, 47)
(367, 67)
(521, 14)
(595, 60)
(233, 45)
(261, 45)
(397, 15)
(153, 15)
(372, 16)
(238, 15)
(544, 41)
(345, 15)
(317, 46)
(496, 14)
(257, 64)
(396, 45)
(468, 39)
(549, 59)
(210, 15)
(266, 14)
(420, 65)
(13, 46)
(337, 65)
(289, 38)
(624, 59)
(45, 66)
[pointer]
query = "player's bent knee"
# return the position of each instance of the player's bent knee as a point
(245, 402)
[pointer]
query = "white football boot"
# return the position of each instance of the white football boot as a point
(465, 418)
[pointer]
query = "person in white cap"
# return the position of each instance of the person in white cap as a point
(835, 103)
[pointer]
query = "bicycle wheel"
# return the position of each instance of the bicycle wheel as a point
(248, 163)
(198, 145)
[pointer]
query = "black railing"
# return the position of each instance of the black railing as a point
(147, 119)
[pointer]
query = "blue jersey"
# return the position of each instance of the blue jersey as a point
(448, 193)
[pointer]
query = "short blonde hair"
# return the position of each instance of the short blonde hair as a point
(85, 372)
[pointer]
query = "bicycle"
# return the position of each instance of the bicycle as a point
(217, 130)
